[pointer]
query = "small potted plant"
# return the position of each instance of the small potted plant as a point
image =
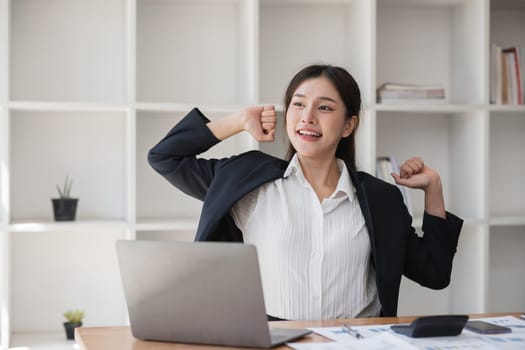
(65, 207)
(73, 320)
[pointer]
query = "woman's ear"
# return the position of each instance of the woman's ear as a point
(350, 124)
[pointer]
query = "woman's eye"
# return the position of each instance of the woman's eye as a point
(325, 108)
(297, 104)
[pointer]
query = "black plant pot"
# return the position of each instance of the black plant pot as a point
(70, 329)
(65, 209)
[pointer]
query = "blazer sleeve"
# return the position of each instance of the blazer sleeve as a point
(428, 259)
(174, 157)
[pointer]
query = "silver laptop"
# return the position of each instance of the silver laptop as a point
(197, 292)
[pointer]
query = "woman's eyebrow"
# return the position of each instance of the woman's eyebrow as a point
(320, 98)
(327, 99)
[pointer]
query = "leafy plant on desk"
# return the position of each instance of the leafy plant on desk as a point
(73, 320)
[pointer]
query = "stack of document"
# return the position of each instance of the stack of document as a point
(409, 93)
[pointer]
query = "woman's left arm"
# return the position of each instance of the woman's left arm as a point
(414, 173)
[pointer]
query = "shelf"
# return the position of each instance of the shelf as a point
(110, 78)
(65, 107)
(427, 108)
(42, 341)
(79, 225)
(72, 51)
(508, 221)
(184, 108)
(507, 108)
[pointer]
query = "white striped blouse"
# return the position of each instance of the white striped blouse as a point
(314, 257)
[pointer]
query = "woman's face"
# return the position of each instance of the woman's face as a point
(316, 119)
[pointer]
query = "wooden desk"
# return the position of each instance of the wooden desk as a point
(120, 338)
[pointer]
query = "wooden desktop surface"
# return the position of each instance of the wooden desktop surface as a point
(120, 338)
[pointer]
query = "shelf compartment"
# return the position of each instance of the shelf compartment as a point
(506, 287)
(78, 269)
(333, 32)
(157, 199)
(180, 60)
(72, 51)
(433, 42)
(450, 144)
(89, 146)
(507, 142)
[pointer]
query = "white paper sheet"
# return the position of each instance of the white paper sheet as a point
(384, 341)
(340, 334)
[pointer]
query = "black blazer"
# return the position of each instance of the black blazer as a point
(396, 249)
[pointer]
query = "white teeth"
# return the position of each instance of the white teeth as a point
(308, 133)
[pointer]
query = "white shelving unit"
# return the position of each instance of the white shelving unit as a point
(88, 86)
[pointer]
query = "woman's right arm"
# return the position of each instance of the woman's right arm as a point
(174, 157)
(259, 121)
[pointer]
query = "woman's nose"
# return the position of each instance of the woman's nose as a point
(308, 116)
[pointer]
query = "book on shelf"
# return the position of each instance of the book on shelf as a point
(386, 165)
(496, 76)
(411, 93)
(507, 73)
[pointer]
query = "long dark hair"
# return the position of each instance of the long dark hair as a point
(349, 91)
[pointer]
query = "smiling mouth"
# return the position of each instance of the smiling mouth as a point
(308, 133)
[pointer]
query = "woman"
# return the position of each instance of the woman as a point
(332, 242)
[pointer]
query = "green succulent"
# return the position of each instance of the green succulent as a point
(65, 191)
(74, 316)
